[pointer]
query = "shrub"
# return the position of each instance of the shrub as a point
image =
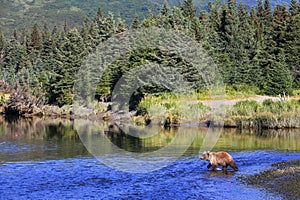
(296, 92)
(245, 108)
(241, 90)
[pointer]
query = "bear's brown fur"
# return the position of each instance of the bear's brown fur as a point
(219, 158)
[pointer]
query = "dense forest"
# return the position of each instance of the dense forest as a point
(257, 47)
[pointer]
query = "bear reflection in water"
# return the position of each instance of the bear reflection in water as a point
(219, 158)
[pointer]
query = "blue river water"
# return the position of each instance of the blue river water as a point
(51, 168)
(88, 178)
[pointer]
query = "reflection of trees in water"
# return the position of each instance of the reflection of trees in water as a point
(150, 139)
(45, 138)
(37, 128)
(280, 133)
(124, 141)
(251, 139)
(268, 133)
(155, 139)
(61, 130)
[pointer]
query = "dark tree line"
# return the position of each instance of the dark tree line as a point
(256, 46)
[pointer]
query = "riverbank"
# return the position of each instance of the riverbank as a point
(256, 112)
(284, 179)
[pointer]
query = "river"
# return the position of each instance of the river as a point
(55, 159)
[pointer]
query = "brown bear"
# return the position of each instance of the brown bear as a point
(219, 158)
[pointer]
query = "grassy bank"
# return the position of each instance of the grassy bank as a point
(169, 109)
(268, 114)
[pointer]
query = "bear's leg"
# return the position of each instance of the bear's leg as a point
(208, 166)
(233, 166)
(224, 168)
(214, 166)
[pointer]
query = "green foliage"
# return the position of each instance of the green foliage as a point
(244, 108)
(256, 51)
(172, 107)
(242, 90)
(252, 109)
(296, 92)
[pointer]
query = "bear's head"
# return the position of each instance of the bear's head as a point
(205, 155)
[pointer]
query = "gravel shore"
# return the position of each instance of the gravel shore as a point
(284, 179)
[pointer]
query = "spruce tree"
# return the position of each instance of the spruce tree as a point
(70, 54)
(292, 39)
(121, 25)
(2, 41)
(294, 8)
(35, 44)
(3, 44)
(163, 19)
(164, 11)
(135, 23)
(149, 21)
(189, 10)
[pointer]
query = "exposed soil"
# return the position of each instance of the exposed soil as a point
(284, 179)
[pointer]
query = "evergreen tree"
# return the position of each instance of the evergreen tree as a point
(94, 36)
(2, 43)
(229, 34)
(35, 44)
(164, 18)
(84, 32)
(99, 16)
(65, 27)
(277, 78)
(45, 33)
(24, 38)
(292, 40)
(149, 21)
(121, 25)
(294, 8)
(70, 54)
(2, 49)
(54, 31)
(15, 35)
(260, 9)
(189, 10)
(178, 21)
(135, 23)
(105, 27)
(164, 11)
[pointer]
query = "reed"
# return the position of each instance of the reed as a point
(169, 109)
(269, 114)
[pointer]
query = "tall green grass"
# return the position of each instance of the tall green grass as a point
(172, 108)
(230, 92)
(269, 114)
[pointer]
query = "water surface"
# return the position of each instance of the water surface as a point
(46, 159)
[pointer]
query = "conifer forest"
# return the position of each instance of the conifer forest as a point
(253, 46)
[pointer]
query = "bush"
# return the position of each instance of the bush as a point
(245, 108)
(296, 92)
(241, 90)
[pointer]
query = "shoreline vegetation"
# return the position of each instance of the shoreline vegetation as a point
(168, 109)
